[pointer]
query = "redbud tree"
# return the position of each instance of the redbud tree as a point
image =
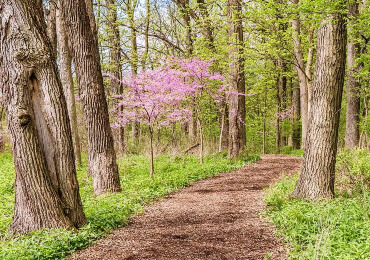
(157, 98)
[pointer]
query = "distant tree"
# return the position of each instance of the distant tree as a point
(237, 113)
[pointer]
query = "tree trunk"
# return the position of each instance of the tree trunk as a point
(278, 126)
(47, 193)
(65, 71)
(296, 116)
(51, 26)
(151, 153)
(131, 6)
(237, 132)
(101, 154)
(353, 83)
(146, 35)
(115, 66)
(300, 68)
(207, 28)
(318, 170)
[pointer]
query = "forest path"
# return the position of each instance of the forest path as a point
(216, 218)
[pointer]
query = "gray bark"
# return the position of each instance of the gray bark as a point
(101, 154)
(318, 170)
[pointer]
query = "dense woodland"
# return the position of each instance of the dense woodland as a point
(112, 79)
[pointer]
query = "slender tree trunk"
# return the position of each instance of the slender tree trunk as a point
(278, 126)
(151, 153)
(115, 66)
(318, 170)
(46, 187)
(131, 6)
(65, 70)
(146, 35)
(201, 135)
(300, 68)
(102, 156)
(296, 116)
(353, 83)
(207, 28)
(237, 131)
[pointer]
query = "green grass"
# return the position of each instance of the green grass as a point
(329, 229)
(106, 212)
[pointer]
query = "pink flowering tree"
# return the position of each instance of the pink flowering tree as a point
(169, 94)
(202, 85)
(155, 98)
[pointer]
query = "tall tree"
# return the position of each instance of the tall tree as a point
(237, 131)
(300, 69)
(115, 64)
(101, 154)
(46, 187)
(131, 7)
(318, 170)
(353, 82)
(65, 71)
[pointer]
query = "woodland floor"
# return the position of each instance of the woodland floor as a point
(217, 218)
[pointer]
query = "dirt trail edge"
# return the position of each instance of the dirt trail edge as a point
(216, 218)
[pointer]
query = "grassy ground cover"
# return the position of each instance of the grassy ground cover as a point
(329, 229)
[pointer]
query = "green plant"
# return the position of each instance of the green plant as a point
(328, 229)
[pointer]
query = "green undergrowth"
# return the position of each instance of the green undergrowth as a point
(106, 212)
(328, 229)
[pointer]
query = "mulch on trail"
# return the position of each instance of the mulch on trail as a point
(216, 218)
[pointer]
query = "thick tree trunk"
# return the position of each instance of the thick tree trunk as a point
(237, 132)
(115, 65)
(65, 70)
(278, 114)
(353, 84)
(47, 193)
(101, 154)
(318, 170)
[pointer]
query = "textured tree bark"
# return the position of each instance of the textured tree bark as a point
(237, 132)
(65, 71)
(318, 170)
(353, 83)
(101, 154)
(51, 26)
(115, 66)
(47, 193)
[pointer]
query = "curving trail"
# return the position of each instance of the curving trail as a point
(216, 218)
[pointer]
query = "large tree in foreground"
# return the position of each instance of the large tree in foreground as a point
(101, 154)
(318, 170)
(237, 134)
(46, 188)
